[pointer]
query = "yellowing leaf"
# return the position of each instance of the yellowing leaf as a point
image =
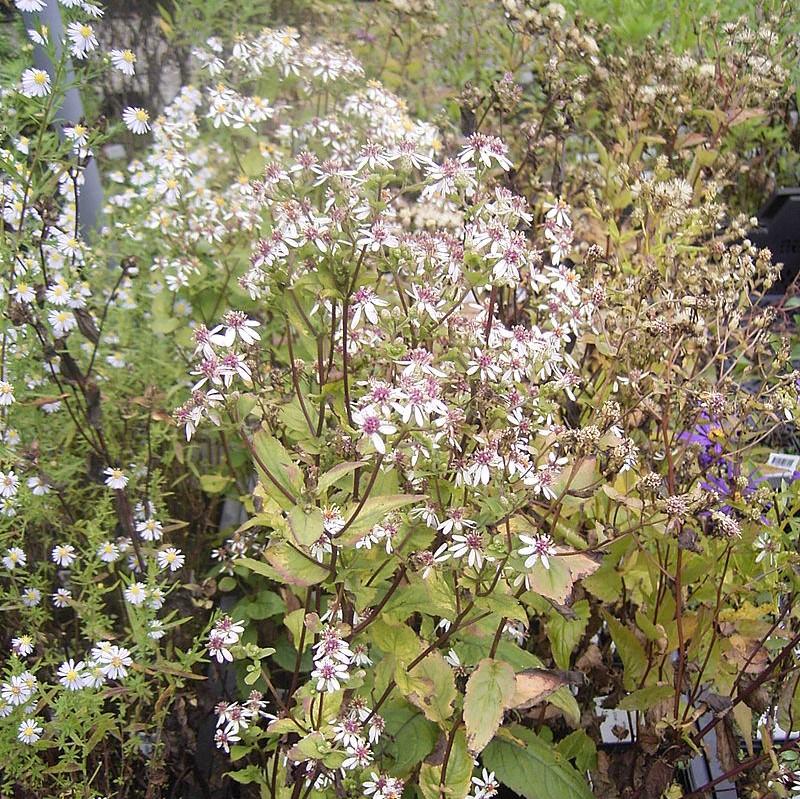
(294, 567)
(437, 704)
(490, 690)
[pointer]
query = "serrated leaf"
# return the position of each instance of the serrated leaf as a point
(457, 777)
(407, 723)
(437, 705)
(531, 767)
(578, 746)
(375, 510)
(273, 455)
(504, 605)
(335, 474)
(305, 525)
(490, 690)
(634, 658)
(258, 566)
(565, 634)
(294, 567)
(645, 698)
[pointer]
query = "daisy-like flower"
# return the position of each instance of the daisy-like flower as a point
(9, 484)
(230, 630)
(108, 552)
(235, 323)
(150, 530)
(22, 645)
(94, 677)
(63, 555)
(332, 519)
(374, 238)
(14, 557)
(349, 730)
(83, 39)
(223, 738)
(538, 547)
(485, 786)
(61, 598)
(469, 544)
(24, 292)
(123, 60)
(358, 756)
(136, 593)
(71, 676)
(373, 427)
(766, 549)
(218, 648)
(156, 600)
(30, 6)
(115, 478)
(430, 560)
(484, 150)
(31, 597)
(329, 675)
(114, 662)
(136, 119)
(361, 655)
(170, 558)
(6, 393)
(35, 83)
(456, 521)
(156, 629)
(62, 321)
(367, 302)
(38, 486)
(15, 692)
(29, 731)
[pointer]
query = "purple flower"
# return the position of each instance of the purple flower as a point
(708, 436)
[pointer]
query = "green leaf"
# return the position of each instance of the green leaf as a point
(375, 510)
(789, 704)
(532, 768)
(214, 483)
(420, 597)
(565, 634)
(567, 704)
(408, 724)
(335, 474)
(578, 746)
(262, 606)
(504, 605)
(259, 567)
(295, 621)
(645, 698)
(490, 689)
(312, 747)
(605, 583)
(305, 524)
(458, 776)
(395, 639)
(272, 454)
(634, 658)
(247, 775)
